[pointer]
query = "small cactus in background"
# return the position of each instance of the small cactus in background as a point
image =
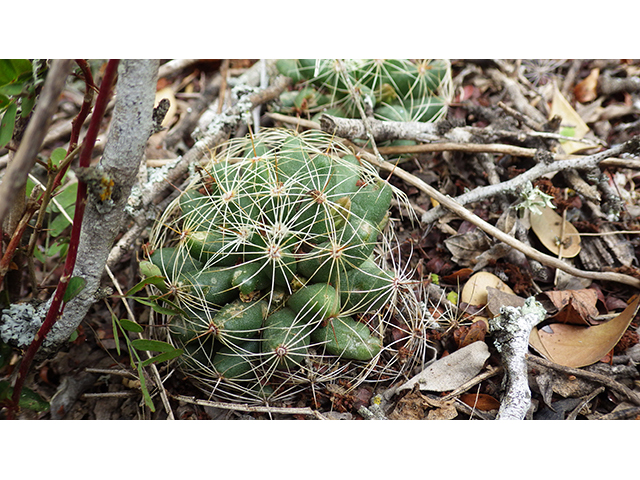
(271, 255)
(393, 89)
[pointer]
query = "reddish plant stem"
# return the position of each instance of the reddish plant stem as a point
(77, 123)
(5, 262)
(57, 305)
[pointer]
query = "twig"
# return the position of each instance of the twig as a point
(16, 175)
(465, 214)
(57, 304)
(278, 117)
(579, 163)
(473, 382)
(594, 377)
(174, 66)
(609, 85)
(584, 400)
(224, 72)
(125, 394)
(189, 120)
(520, 102)
(243, 407)
(511, 330)
(108, 371)
(129, 131)
(623, 414)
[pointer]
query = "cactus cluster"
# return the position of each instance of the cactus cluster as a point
(393, 89)
(270, 254)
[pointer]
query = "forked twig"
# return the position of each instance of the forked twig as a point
(465, 214)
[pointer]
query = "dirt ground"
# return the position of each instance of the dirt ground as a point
(506, 104)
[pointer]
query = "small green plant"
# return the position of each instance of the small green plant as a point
(272, 256)
(391, 89)
(533, 199)
(19, 83)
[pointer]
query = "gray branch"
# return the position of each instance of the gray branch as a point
(130, 129)
(581, 163)
(511, 330)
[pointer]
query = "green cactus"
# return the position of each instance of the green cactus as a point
(395, 89)
(270, 254)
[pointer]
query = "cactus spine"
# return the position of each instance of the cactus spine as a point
(270, 254)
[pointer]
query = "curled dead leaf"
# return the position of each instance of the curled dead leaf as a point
(576, 307)
(586, 90)
(475, 290)
(576, 346)
(556, 234)
(480, 401)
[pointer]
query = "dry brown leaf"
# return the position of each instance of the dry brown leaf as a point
(575, 346)
(466, 247)
(474, 291)
(480, 401)
(458, 276)
(576, 307)
(559, 236)
(586, 90)
(449, 372)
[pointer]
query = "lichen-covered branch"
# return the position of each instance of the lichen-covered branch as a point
(381, 130)
(587, 162)
(457, 209)
(511, 330)
(124, 150)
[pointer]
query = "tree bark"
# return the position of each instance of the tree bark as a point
(130, 129)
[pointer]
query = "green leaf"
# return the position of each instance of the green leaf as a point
(7, 124)
(157, 308)
(156, 280)
(21, 67)
(148, 269)
(12, 89)
(73, 336)
(28, 398)
(151, 345)
(7, 72)
(27, 105)
(131, 326)
(145, 391)
(76, 284)
(58, 155)
(66, 198)
(163, 357)
(116, 337)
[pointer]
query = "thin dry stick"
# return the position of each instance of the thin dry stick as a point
(243, 407)
(465, 214)
(594, 377)
(473, 382)
(579, 163)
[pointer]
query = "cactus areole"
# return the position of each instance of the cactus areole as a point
(270, 255)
